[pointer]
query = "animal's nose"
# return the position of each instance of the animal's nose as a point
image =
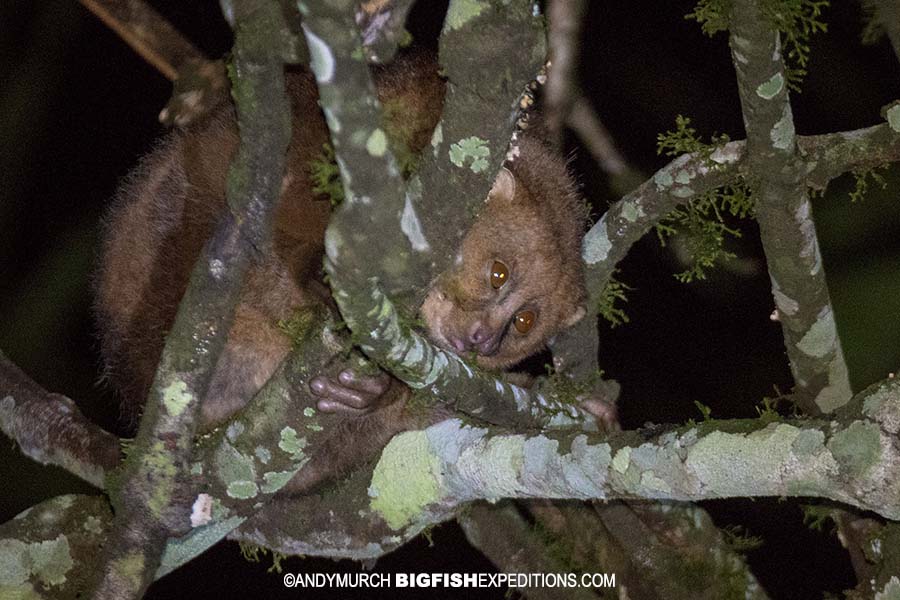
(484, 339)
(478, 333)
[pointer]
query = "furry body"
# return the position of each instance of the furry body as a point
(531, 224)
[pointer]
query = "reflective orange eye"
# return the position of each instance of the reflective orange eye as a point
(524, 321)
(499, 274)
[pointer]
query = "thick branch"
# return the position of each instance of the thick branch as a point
(657, 551)
(366, 228)
(151, 502)
(488, 54)
(784, 214)
(424, 476)
(516, 546)
(855, 461)
(51, 430)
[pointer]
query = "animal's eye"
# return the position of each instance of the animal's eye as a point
(524, 321)
(499, 274)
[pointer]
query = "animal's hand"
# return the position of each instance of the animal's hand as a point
(601, 403)
(351, 394)
(604, 411)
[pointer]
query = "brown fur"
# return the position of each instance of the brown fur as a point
(533, 223)
(156, 229)
(167, 209)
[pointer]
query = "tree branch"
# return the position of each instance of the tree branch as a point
(366, 226)
(456, 463)
(148, 34)
(566, 18)
(520, 548)
(51, 430)
(784, 214)
(467, 152)
(200, 84)
(886, 17)
(424, 476)
(654, 549)
(152, 500)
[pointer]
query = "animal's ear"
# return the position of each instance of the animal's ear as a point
(576, 316)
(504, 186)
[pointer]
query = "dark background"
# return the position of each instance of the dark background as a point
(78, 108)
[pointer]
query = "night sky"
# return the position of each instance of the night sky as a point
(78, 109)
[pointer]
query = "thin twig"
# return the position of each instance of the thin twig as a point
(148, 34)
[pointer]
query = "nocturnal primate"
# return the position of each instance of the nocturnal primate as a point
(517, 280)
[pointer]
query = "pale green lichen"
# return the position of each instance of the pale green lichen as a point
(596, 244)
(837, 393)
(683, 177)
(651, 482)
(786, 305)
(437, 138)
(48, 561)
(237, 471)
(461, 12)
(585, 468)
(242, 490)
(176, 397)
(290, 443)
(234, 430)
(632, 211)
(412, 227)
(309, 412)
(275, 480)
(893, 117)
(716, 457)
(821, 337)
(93, 525)
(472, 149)
(321, 59)
(782, 134)
(263, 454)
(881, 405)
(405, 480)
(376, 144)
(14, 563)
(333, 243)
(506, 457)
(19, 592)
(808, 442)
(622, 459)
(856, 448)
(158, 461)
(662, 179)
(771, 88)
(890, 591)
